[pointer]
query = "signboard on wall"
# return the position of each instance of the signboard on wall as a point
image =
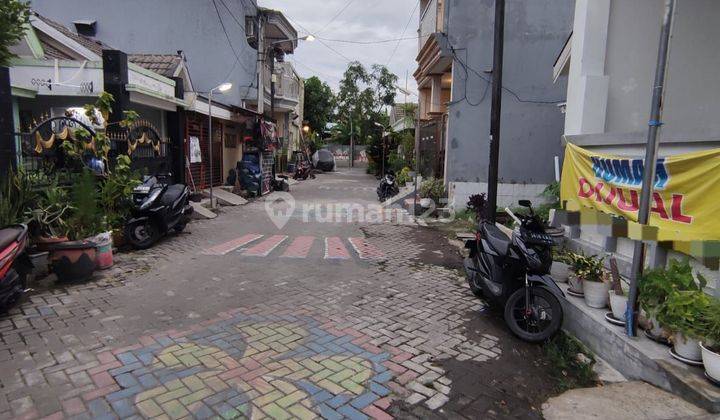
(684, 204)
(195, 152)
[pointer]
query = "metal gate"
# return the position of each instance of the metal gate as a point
(428, 153)
(198, 174)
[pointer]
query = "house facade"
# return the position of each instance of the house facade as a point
(244, 39)
(453, 75)
(609, 64)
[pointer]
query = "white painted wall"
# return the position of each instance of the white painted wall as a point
(614, 52)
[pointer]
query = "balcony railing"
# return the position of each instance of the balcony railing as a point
(287, 85)
(431, 21)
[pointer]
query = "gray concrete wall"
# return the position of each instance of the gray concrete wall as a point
(166, 26)
(535, 33)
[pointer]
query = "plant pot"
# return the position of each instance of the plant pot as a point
(560, 272)
(40, 263)
(426, 203)
(711, 361)
(596, 293)
(687, 348)
(104, 256)
(618, 304)
(575, 283)
(73, 261)
(45, 243)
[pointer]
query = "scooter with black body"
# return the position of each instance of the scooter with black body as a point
(514, 273)
(159, 208)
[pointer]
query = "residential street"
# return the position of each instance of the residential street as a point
(236, 316)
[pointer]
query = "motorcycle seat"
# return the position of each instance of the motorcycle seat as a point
(496, 238)
(9, 235)
(172, 193)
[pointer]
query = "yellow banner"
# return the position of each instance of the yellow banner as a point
(685, 205)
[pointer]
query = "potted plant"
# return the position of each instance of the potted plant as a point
(683, 314)
(710, 346)
(432, 191)
(577, 263)
(657, 284)
(74, 260)
(618, 299)
(595, 285)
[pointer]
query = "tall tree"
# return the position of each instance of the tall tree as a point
(14, 15)
(362, 98)
(319, 104)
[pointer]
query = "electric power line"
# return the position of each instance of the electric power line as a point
(336, 16)
(517, 97)
(381, 41)
(412, 14)
(227, 36)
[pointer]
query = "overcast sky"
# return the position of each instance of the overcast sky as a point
(361, 20)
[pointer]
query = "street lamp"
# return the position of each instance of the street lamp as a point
(222, 88)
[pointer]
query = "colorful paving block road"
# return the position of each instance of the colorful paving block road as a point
(240, 319)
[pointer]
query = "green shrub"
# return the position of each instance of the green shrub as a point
(434, 189)
(657, 284)
(404, 176)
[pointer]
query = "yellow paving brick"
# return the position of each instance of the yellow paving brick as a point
(292, 364)
(312, 365)
(262, 386)
(275, 412)
(196, 396)
(174, 384)
(301, 412)
(172, 395)
(283, 371)
(216, 384)
(149, 408)
(194, 383)
(300, 374)
(267, 398)
(175, 410)
(291, 399)
(362, 377)
(353, 387)
(282, 385)
(209, 361)
(151, 393)
(168, 359)
(341, 376)
(331, 364)
(321, 375)
(331, 387)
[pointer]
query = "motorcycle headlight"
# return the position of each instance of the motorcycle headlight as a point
(151, 199)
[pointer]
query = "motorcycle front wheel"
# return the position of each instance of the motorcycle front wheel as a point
(538, 321)
(142, 234)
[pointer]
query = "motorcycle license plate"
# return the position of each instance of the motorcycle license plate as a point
(142, 190)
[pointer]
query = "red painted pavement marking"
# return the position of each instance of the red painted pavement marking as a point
(365, 250)
(264, 248)
(335, 250)
(300, 247)
(229, 246)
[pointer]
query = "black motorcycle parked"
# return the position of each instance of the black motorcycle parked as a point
(159, 208)
(388, 187)
(514, 273)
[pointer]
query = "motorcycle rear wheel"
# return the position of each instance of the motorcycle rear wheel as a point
(534, 327)
(142, 234)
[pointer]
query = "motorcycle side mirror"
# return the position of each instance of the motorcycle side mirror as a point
(525, 203)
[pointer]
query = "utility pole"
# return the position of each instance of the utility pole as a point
(261, 67)
(649, 168)
(272, 81)
(496, 108)
(352, 145)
